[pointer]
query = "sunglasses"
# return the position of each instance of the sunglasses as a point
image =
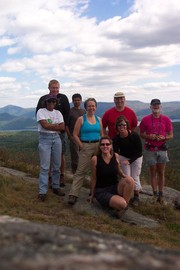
(51, 101)
(105, 144)
(122, 125)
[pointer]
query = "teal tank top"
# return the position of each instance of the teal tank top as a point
(90, 132)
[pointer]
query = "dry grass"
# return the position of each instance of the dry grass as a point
(19, 199)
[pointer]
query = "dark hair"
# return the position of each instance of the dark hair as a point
(44, 103)
(121, 118)
(87, 100)
(105, 137)
(77, 96)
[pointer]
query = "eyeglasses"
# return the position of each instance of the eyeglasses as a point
(105, 144)
(51, 101)
(122, 125)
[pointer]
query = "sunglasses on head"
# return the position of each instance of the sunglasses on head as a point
(123, 125)
(51, 101)
(105, 144)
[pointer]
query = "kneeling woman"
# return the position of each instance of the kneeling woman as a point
(108, 190)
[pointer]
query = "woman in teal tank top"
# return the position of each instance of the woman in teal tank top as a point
(87, 132)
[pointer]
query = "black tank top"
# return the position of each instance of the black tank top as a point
(106, 174)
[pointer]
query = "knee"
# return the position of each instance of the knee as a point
(122, 204)
(130, 181)
(161, 173)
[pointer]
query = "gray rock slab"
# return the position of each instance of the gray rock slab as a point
(31, 246)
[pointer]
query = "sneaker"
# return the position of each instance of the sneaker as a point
(58, 192)
(135, 201)
(161, 200)
(72, 199)
(42, 197)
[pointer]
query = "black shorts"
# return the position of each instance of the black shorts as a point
(103, 195)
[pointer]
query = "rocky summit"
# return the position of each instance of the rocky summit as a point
(29, 246)
(26, 245)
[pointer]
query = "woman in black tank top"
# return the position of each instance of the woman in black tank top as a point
(106, 187)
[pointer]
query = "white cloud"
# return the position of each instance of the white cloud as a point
(54, 39)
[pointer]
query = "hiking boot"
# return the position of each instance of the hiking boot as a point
(42, 197)
(72, 199)
(58, 192)
(161, 200)
(135, 201)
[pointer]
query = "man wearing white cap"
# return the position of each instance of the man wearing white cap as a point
(110, 116)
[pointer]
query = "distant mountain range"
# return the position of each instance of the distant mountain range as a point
(18, 118)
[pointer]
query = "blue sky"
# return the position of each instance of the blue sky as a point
(103, 10)
(94, 47)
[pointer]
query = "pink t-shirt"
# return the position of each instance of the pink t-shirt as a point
(152, 125)
(110, 116)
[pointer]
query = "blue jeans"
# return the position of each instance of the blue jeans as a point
(50, 148)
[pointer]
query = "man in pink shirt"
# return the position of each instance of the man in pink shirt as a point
(156, 129)
(110, 116)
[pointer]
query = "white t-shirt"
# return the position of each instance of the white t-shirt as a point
(52, 117)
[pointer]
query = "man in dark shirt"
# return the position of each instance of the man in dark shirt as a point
(75, 112)
(64, 107)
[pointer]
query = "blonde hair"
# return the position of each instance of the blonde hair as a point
(52, 82)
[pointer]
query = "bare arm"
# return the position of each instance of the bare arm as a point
(105, 131)
(153, 137)
(169, 135)
(53, 127)
(102, 130)
(119, 166)
(148, 136)
(76, 131)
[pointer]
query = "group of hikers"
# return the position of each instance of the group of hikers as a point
(110, 146)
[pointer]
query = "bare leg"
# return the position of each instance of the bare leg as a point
(117, 202)
(161, 175)
(153, 177)
(126, 188)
